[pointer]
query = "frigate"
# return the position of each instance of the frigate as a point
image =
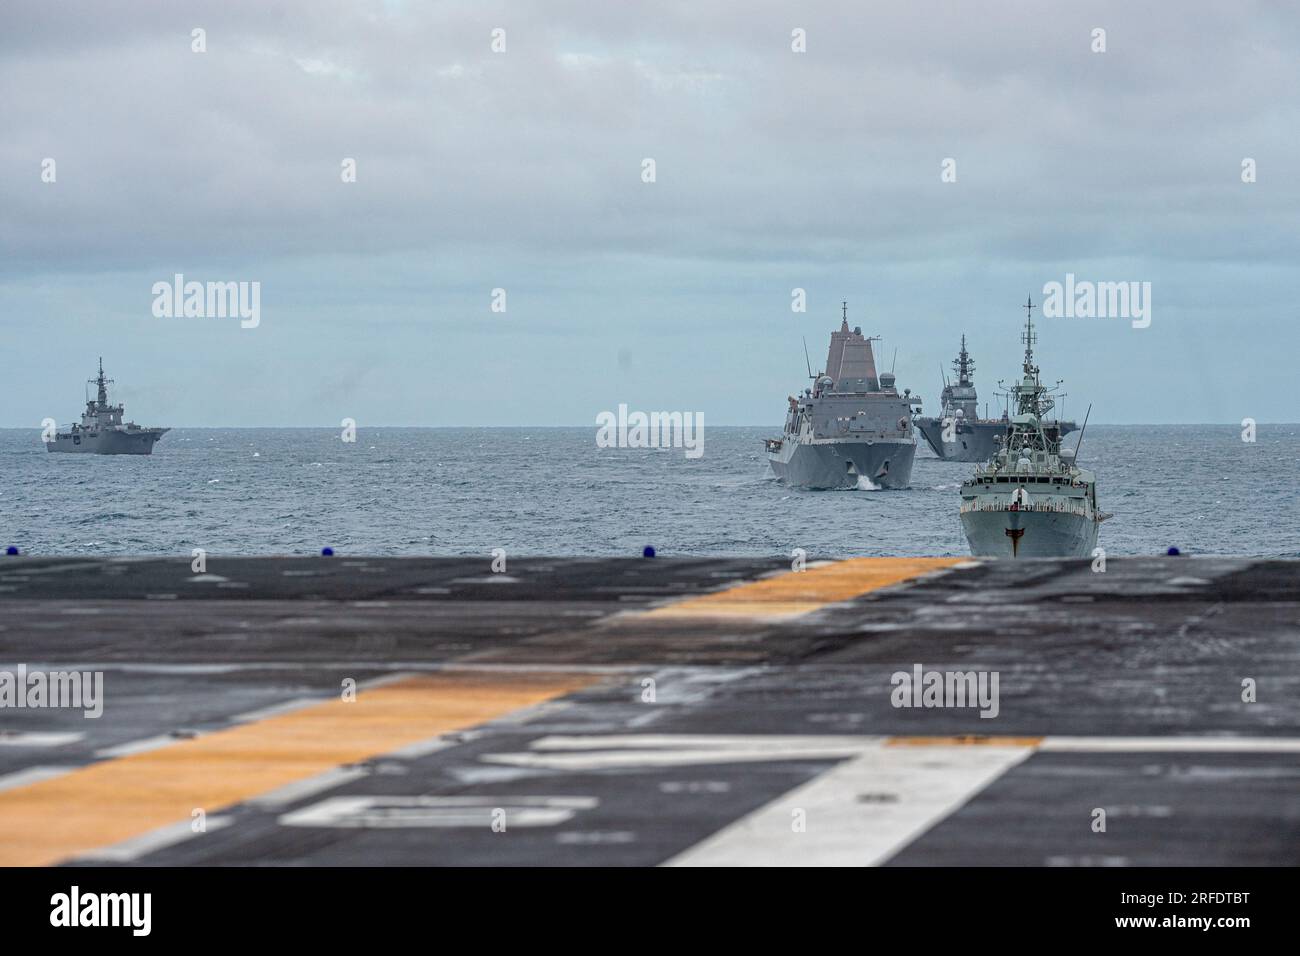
(1031, 500)
(101, 430)
(958, 433)
(851, 428)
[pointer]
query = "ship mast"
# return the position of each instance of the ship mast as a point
(103, 384)
(963, 365)
(1029, 338)
(1027, 432)
(1030, 390)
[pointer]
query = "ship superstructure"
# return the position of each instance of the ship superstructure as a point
(851, 427)
(958, 432)
(101, 430)
(1031, 499)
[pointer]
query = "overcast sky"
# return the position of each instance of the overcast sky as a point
(522, 170)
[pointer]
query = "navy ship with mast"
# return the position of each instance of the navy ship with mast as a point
(958, 433)
(1031, 500)
(101, 430)
(851, 428)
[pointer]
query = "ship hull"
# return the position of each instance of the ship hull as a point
(974, 442)
(830, 465)
(1029, 534)
(107, 442)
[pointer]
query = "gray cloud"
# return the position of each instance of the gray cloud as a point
(521, 170)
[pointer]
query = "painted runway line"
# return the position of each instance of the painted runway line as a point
(108, 803)
(1224, 744)
(859, 813)
(475, 810)
(128, 851)
(882, 794)
(799, 592)
(38, 738)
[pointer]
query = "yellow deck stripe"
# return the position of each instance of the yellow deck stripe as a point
(798, 592)
(105, 803)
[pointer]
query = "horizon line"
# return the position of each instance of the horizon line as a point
(594, 425)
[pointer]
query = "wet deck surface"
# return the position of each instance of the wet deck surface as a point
(652, 711)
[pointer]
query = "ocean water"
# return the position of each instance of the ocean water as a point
(552, 491)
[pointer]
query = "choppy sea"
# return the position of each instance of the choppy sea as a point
(552, 491)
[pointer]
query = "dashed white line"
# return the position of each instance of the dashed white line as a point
(22, 778)
(300, 789)
(139, 746)
(38, 738)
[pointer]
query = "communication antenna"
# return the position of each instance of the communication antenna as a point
(1081, 431)
(807, 361)
(894, 362)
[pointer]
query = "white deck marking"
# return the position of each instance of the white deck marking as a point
(672, 750)
(38, 738)
(22, 778)
(275, 710)
(139, 746)
(1236, 745)
(883, 794)
(299, 789)
(390, 812)
(910, 790)
(146, 843)
(421, 748)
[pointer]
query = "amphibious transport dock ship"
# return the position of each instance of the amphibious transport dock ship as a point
(1031, 500)
(851, 426)
(101, 430)
(958, 433)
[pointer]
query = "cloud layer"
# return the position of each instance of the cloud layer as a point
(522, 170)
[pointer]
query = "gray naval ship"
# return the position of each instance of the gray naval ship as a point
(101, 430)
(1031, 500)
(958, 433)
(851, 426)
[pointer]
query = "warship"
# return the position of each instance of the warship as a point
(958, 433)
(851, 426)
(101, 430)
(1031, 500)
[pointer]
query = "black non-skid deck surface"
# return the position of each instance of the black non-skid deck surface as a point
(750, 716)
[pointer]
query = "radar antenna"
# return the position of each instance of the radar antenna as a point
(963, 365)
(102, 384)
(1028, 336)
